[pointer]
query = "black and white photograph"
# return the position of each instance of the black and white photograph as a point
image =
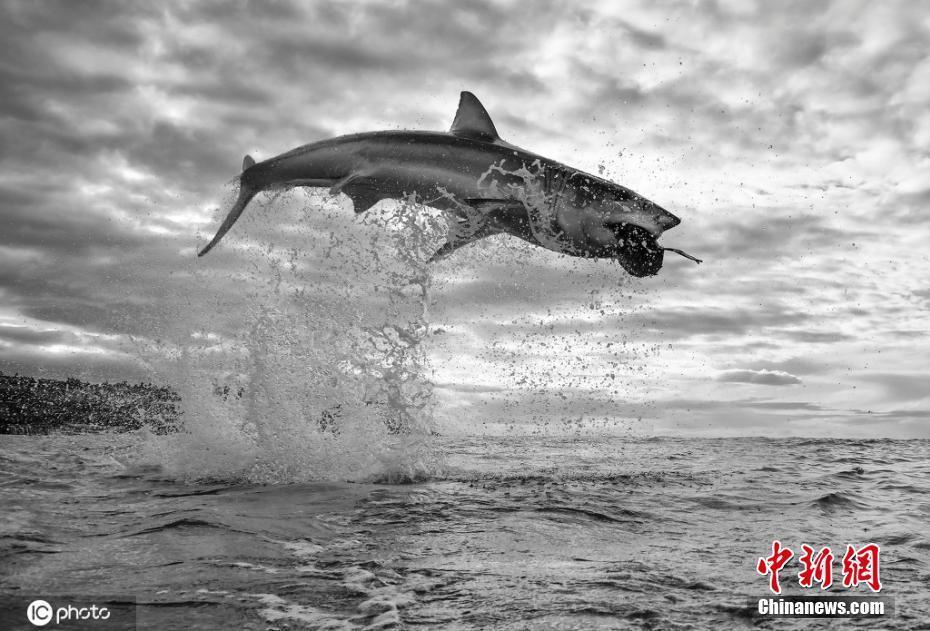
(492, 314)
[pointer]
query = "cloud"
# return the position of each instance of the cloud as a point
(759, 377)
(901, 387)
(815, 337)
(718, 320)
(795, 365)
(29, 335)
(791, 139)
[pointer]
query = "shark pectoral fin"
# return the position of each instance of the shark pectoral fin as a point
(505, 214)
(361, 189)
(486, 206)
(480, 219)
(457, 240)
(445, 251)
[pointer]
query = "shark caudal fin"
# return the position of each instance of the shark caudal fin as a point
(246, 193)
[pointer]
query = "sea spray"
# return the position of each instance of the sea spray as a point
(304, 361)
(530, 342)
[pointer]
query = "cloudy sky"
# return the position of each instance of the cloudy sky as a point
(793, 139)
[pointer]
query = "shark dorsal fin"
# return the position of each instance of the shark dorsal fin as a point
(472, 120)
(247, 162)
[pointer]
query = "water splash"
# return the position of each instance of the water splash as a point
(302, 359)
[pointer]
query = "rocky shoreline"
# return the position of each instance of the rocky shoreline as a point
(30, 405)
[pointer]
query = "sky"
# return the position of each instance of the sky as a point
(792, 138)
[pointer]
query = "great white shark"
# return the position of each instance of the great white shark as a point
(485, 186)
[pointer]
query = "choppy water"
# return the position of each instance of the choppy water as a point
(574, 532)
(312, 362)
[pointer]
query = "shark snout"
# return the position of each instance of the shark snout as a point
(665, 220)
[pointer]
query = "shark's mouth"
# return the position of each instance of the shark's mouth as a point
(639, 253)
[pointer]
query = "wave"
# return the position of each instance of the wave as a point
(838, 500)
(316, 370)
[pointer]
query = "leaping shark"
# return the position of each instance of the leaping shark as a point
(484, 185)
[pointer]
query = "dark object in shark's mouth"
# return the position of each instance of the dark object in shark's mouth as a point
(639, 253)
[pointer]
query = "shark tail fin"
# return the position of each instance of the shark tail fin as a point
(246, 193)
(247, 161)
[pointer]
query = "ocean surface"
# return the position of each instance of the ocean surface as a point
(510, 532)
(360, 451)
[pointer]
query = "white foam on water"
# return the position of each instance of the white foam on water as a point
(303, 548)
(377, 599)
(261, 568)
(298, 356)
(299, 345)
(277, 609)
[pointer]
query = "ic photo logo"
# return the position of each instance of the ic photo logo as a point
(40, 613)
